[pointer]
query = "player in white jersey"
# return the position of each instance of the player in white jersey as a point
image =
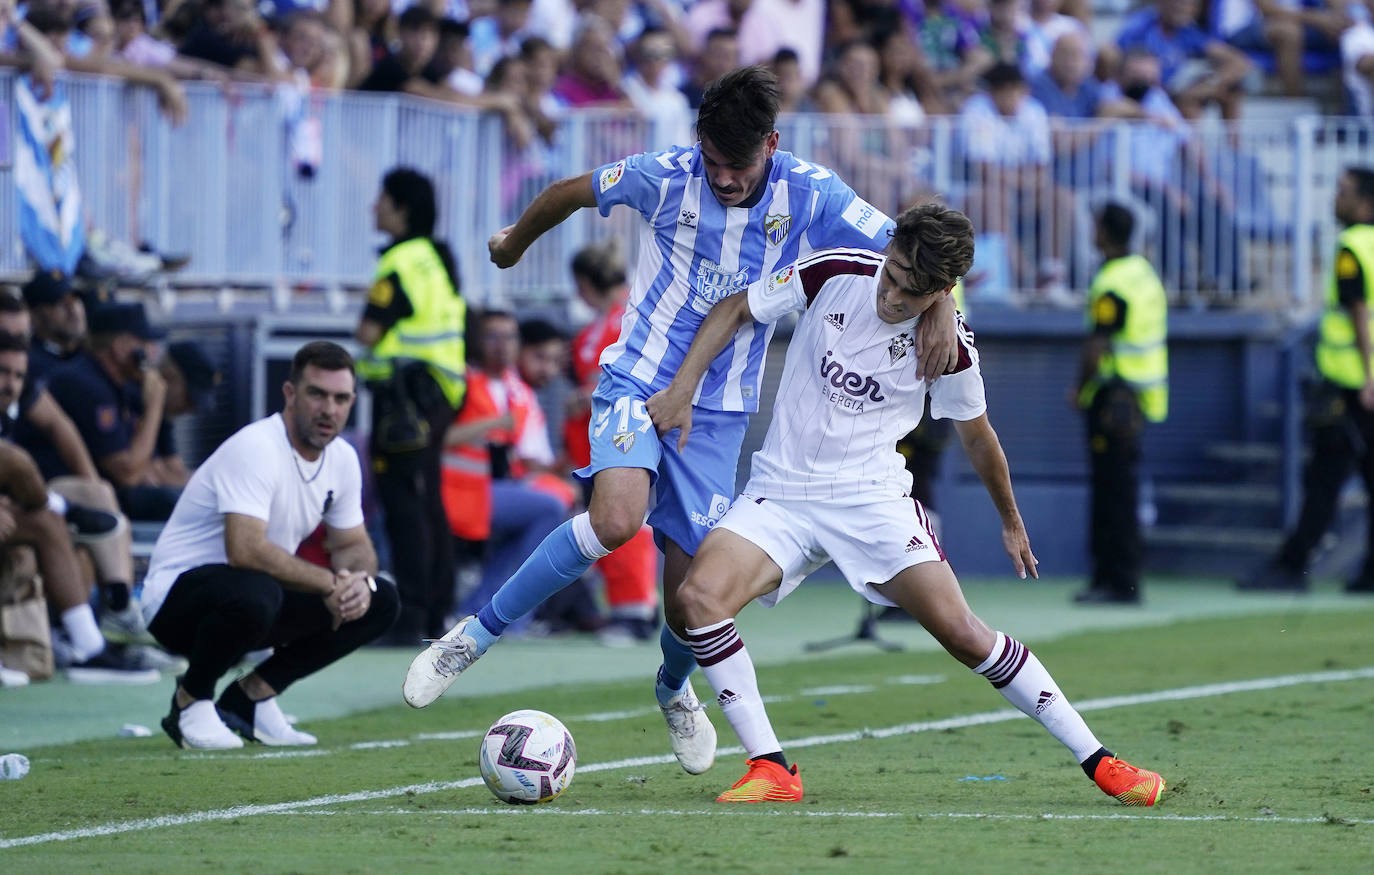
(718, 216)
(829, 485)
(224, 579)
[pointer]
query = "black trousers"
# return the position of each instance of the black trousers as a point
(422, 549)
(1115, 426)
(1340, 434)
(215, 614)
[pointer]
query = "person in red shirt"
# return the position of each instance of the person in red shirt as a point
(631, 571)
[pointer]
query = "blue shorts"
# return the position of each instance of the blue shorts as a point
(693, 487)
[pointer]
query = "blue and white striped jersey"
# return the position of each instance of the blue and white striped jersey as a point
(694, 252)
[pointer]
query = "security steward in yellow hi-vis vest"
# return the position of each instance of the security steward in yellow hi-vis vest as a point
(1340, 408)
(1124, 383)
(414, 366)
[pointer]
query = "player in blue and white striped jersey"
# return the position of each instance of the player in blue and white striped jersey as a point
(718, 216)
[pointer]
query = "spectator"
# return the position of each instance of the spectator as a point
(1006, 135)
(417, 38)
(1004, 36)
(630, 571)
(593, 72)
(793, 95)
(59, 322)
(502, 425)
(1045, 24)
(191, 380)
(854, 85)
(133, 43)
(500, 34)
(1357, 67)
(649, 87)
(28, 516)
(230, 33)
(705, 17)
(115, 397)
(718, 56)
(950, 43)
(452, 64)
(1196, 69)
(772, 25)
(911, 92)
(222, 579)
(1067, 88)
(368, 38)
(1284, 29)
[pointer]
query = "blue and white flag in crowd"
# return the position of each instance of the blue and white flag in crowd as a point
(49, 197)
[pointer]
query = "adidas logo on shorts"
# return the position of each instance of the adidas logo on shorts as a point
(914, 544)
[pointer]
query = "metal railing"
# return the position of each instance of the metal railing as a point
(1230, 216)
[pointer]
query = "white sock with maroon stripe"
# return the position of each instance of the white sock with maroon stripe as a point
(724, 660)
(1015, 672)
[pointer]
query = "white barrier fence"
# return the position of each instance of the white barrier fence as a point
(1230, 216)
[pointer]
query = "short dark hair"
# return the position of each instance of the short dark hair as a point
(450, 27)
(537, 332)
(1364, 182)
(533, 45)
(10, 302)
(1116, 222)
(13, 343)
(600, 264)
(738, 112)
(417, 17)
(323, 354)
(939, 242)
(1003, 73)
(413, 192)
(786, 55)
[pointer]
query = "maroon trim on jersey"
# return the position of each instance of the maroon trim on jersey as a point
(963, 338)
(817, 273)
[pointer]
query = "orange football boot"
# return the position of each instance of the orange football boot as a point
(766, 781)
(1130, 786)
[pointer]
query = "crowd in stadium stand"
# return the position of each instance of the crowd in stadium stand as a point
(533, 59)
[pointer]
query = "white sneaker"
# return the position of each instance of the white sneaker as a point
(270, 726)
(438, 666)
(693, 736)
(148, 656)
(198, 727)
(11, 677)
(126, 626)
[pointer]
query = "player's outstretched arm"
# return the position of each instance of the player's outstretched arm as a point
(985, 454)
(937, 347)
(672, 407)
(552, 206)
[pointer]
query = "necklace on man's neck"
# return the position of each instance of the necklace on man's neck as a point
(296, 458)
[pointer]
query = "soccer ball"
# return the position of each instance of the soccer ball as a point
(527, 757)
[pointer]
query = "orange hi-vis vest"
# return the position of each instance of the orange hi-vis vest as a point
(466, 483)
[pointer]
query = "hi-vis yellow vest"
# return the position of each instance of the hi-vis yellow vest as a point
(958, 293)
(433, 333)
(1139, 354)
(1338, 358)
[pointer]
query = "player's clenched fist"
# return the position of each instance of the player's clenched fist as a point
(496, 245)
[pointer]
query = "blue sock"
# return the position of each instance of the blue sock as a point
(678, 663)
(554, 564)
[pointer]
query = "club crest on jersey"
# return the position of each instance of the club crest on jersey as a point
(713, 284)
(775, 228)
(611, 175)
(896, 350)
(624, 441)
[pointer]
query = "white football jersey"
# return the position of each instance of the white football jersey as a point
(850, 387)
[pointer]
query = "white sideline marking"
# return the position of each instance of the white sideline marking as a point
(379, 745)
(1175, 695)
(771, 812)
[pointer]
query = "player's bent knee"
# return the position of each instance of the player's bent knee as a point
(968, 639)
(698, 604)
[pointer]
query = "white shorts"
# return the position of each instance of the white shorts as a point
(870, 543)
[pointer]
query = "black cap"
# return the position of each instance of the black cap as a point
(47, 287)
(124, 319)
(201, 374)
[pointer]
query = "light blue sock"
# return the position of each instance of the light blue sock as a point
(555, 563)
(678, 663)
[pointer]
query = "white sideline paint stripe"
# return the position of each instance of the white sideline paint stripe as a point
(760, 812)
(1175, 695)
(379, 745)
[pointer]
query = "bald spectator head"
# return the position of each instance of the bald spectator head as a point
(1069, 61)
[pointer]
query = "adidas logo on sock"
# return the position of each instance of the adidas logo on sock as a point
(914, 544)
(1046, 699)
(726, 697)
(835, 320)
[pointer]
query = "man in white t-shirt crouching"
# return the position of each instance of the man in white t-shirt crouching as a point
(224, 578)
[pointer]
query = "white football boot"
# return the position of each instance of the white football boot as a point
(439, 664)
(693, 736)
(270, 726)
